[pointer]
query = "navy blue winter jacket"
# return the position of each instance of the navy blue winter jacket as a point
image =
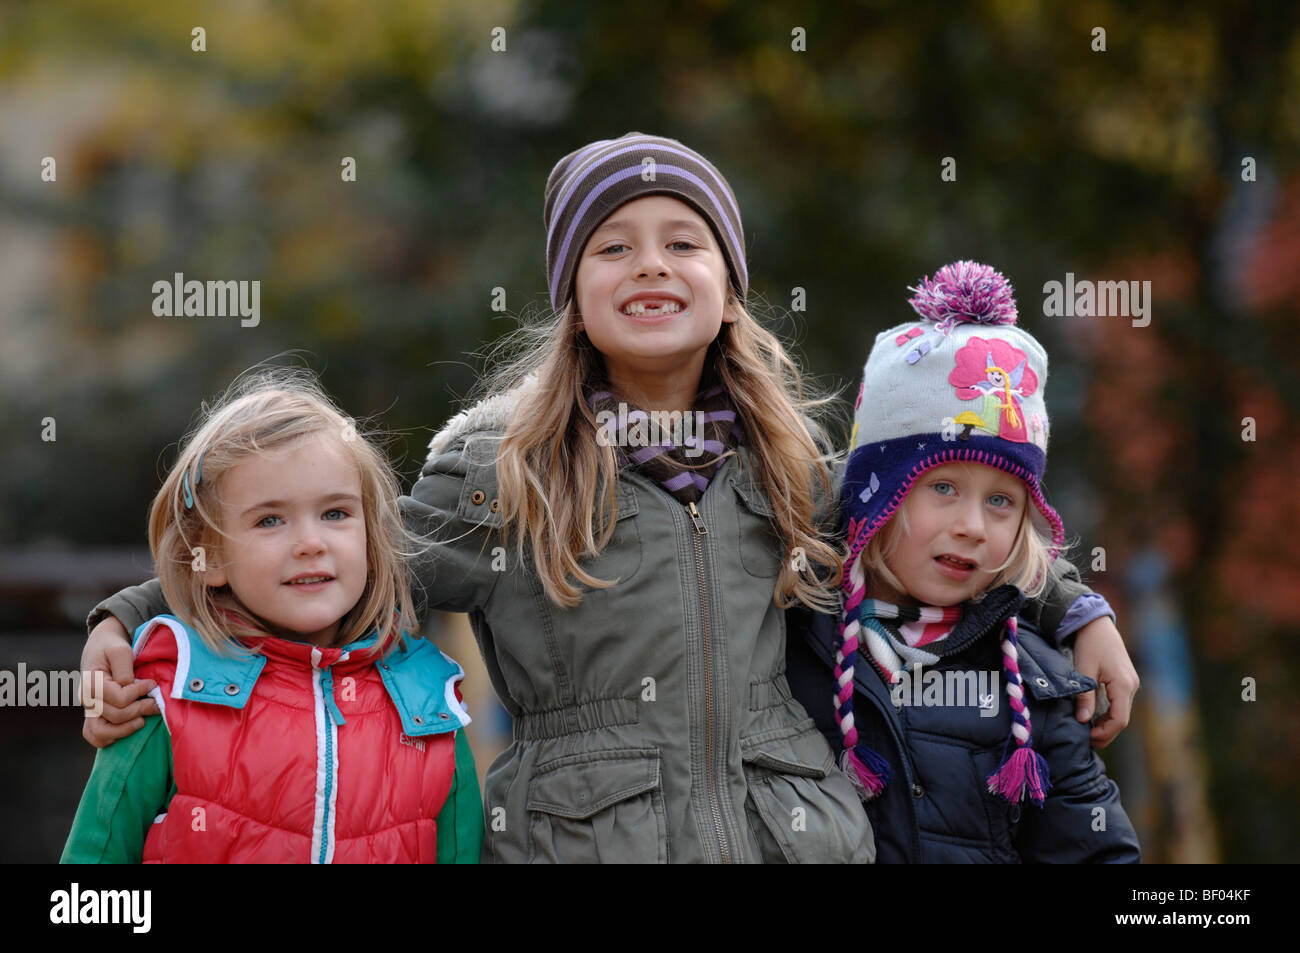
(937, 808)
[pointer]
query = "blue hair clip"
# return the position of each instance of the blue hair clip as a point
(185, 483)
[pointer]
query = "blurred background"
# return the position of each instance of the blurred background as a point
(1167, 156)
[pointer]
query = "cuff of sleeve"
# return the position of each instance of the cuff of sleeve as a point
(1087, 608)
(97, 615)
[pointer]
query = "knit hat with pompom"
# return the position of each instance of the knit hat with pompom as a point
(962, 384)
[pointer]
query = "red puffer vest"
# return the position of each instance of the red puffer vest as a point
(298, 754)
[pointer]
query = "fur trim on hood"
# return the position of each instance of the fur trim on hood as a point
(492, 414)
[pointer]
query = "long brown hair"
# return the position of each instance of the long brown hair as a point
(550, 467)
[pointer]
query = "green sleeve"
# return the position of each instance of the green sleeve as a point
(453, 568)
(1064, 585)
(132, 606)
(460, 822)
(130, 785)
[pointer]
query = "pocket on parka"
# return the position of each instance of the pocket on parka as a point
(598, 807)
(800, 808)
(761, 549)
(621, 557)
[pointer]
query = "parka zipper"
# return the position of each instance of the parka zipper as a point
(709, 774)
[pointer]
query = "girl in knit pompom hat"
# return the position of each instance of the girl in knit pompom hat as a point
(948, 533)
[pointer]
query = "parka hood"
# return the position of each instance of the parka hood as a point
(490, 415)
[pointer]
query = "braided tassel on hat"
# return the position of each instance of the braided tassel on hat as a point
(867, 769)
(1025, 769)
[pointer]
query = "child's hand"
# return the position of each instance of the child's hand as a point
(124, 706)
(1100, 654)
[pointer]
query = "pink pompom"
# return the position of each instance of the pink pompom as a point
(965, 291)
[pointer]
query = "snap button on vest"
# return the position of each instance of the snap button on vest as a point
(494, 505)
(918, 791)
(418, 719)
(1040, 682)
(477, 497)
(443, 715)
(196, 684)
(1074, 683)
(232, 689)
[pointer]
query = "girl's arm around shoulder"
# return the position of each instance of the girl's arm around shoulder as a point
(453, 510)
(1068, 608)
(130, 784)
(1050, 608)
(460, 823)
(131, 606)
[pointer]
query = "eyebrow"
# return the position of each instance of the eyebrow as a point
(675, 223)
(282, 504)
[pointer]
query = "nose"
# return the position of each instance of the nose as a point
(968, 521)
(650, 261)
(309, 543)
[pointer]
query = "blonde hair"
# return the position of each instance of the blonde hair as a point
(265, 410)
(1028, 565)
(551, 468)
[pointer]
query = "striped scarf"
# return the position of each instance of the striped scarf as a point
(680, 452)
(897, 639)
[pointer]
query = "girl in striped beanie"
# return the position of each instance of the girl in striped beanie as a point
(948, 532)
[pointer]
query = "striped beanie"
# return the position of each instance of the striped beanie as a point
(590, 183)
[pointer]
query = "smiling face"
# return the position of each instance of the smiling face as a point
(295, 554)
(962, 522)
(650, 288)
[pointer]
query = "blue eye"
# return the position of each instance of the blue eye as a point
(942, 486)
(342, 515)
(608, 249)
(1006, 500)
(689, 245)
(264, 522)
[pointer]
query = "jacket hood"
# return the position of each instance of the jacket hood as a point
(490, 415)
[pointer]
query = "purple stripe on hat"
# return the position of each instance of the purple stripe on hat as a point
(719, 415)
(577, 176)
(563, 256)
(711, 392)
(598, 396)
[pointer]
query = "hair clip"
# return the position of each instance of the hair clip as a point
(185, 482)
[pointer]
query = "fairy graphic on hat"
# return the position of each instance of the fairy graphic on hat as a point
(1000, 374)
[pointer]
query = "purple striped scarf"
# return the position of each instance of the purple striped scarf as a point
(681, 451)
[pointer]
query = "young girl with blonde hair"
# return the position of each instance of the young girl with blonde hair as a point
(951, 710)
(626, 584)
(297, 723)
